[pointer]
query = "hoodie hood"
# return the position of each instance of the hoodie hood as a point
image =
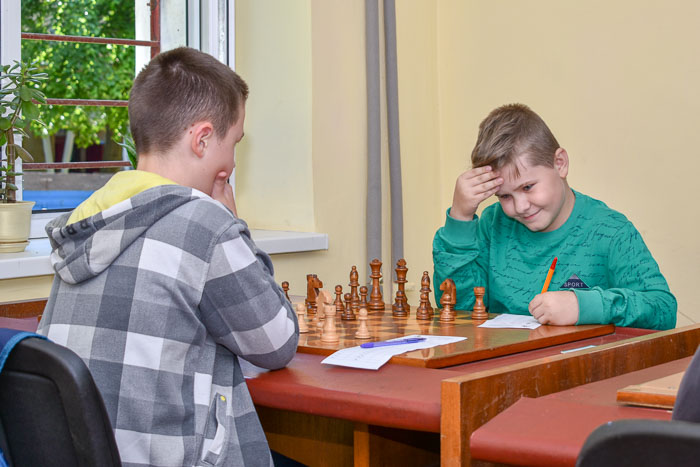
(82, 250)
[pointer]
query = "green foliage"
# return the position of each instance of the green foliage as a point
(130, 147)
(17, 110)
(80, 70)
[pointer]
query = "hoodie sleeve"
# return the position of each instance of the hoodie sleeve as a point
(242, 307)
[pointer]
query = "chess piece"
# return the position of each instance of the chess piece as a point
(285, 287)
(339, 300)
(330, 333)
(323, 299)
(301, 311)
(320, 316)
(448, 300)
(363, 297)
(315, 321)
(400, 307)
(354, 284)
(424, 310)
(479, 311)
(362, 330)
(376, 302)
(349, 313)
(313, 284)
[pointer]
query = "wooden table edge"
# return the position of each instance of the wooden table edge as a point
(492, 391)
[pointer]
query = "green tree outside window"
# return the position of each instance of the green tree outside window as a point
(79, 70)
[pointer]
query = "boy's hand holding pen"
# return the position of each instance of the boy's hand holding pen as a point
(558, 307)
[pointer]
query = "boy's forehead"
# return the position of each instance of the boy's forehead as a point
(515, 174)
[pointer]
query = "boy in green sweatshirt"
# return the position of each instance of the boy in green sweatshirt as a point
(604, 271)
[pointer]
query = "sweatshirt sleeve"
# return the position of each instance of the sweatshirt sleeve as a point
(242, 307)
(460, 253)
(639, 295)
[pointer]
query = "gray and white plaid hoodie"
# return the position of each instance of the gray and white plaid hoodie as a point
(159, 294)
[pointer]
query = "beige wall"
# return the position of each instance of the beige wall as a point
(331, 183)
(274, 181)
(14, 290)
(618, 84)
(616, 81)
(337, 156)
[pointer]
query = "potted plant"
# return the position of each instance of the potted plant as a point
(18, 108)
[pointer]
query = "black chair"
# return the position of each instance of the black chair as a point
(641, 443)
(51, 413)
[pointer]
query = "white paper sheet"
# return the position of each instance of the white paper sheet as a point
(512, 321)
(374, 358)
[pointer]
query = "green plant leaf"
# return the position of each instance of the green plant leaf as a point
(5, 123)
(39, 96)
(128, 144)
(22, 153)
(30, 111)
(25, 93)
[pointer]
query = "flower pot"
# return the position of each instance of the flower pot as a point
(15, 221)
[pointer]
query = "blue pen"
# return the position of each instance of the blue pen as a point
(408, 340)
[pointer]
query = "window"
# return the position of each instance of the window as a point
(206, 25)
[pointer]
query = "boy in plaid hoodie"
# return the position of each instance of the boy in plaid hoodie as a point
(158, 285)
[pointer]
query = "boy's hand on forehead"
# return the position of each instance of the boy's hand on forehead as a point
(222, 191)
(559, 308)
(473, 187)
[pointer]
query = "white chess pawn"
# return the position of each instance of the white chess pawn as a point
(301, 311)
(362, 331)
(330, 333)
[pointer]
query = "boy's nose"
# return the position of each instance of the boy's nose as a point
(521, 204)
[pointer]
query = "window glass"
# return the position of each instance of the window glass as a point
(77, 70)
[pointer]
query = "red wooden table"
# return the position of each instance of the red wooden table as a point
(550, 430)
(404, 415)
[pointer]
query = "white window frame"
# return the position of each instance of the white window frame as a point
(10, 49)
(207, 25)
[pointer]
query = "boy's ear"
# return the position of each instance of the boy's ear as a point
(201, 135)
(561, 162)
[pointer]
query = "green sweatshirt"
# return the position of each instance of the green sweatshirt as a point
(601, 257)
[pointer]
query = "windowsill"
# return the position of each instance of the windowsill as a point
(34, 261)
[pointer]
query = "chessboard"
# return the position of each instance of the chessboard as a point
(386, 321)
(481, 343)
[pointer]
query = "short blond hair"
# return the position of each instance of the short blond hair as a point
(510, 131)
